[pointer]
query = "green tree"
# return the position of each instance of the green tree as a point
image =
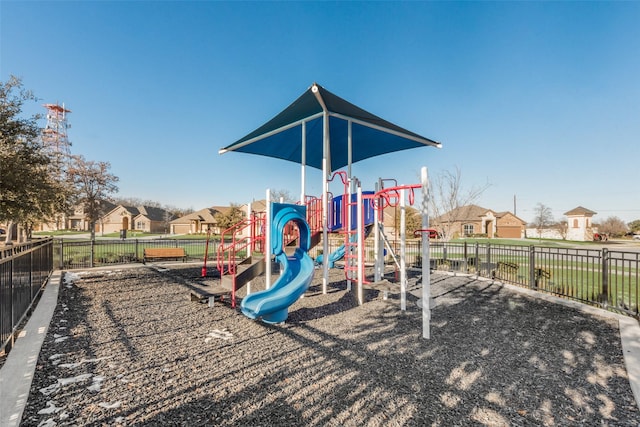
(32, 187)
(412, 221)
(634, 226)
(233, 216)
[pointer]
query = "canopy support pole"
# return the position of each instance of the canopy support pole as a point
(403, 251)
(326, 169)
(303, 163)
(267, 241)
(426, 273)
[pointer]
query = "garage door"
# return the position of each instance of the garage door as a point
(509, 232)
(180, 228)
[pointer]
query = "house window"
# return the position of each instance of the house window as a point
(140, 225)
(468, 229)
(575, 223)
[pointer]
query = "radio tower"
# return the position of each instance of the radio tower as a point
(54, 135)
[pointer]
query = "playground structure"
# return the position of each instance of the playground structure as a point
(324, 131)
(286, 232)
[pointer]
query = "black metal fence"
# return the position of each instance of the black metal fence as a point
(69, 254)
(602, 277)
(24, 270)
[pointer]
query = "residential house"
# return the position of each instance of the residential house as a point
(473, 220)
(77, 220)
(141, 218)
(198, 222)
(205, 219)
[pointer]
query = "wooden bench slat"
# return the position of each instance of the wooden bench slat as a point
(149, 253)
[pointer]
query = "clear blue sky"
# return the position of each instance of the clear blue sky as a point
(539, 99)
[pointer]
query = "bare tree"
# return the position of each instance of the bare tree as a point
(613, 226)
(563, 229)
(283, 195)
(543, 218)
(448, 197)
(94, 184)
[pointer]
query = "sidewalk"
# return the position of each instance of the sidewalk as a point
(17, 371)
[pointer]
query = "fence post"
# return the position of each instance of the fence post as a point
(489, 259)
(477, 254)
(533, 282)
(465, 265)
(604, 296)
(31, 254)
(92, 253)
(136, 253)
(61, 266)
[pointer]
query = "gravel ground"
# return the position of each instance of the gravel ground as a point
(128, 347)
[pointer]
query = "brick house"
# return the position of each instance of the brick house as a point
(475, 220)
(198, 222)
(141, 218)
(205, 219)
(77, 220)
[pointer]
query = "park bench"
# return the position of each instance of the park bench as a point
(163, 253)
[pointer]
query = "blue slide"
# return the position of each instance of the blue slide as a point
(272, 305)
(334, 256)
(338, 254)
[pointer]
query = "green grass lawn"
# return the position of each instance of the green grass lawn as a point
(58, 233)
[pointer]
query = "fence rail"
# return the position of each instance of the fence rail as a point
(601, 277)
(24, 270)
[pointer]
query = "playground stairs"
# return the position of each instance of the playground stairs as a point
(351, 256)
(246, 270)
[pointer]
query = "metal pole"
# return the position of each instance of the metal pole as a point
(326, 167)
(379, 260)
(267, 240)
(605, 278)
(426, 271)
(325, 233)
(360, 240)
(303, 163)
(403, 247)
(249, 241)
(348, 227)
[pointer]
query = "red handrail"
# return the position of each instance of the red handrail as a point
(238, 242)
(391, 196)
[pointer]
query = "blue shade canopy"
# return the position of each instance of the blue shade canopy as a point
(281, 137)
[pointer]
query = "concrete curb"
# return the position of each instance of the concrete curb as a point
(630, 334)
(17, 372)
